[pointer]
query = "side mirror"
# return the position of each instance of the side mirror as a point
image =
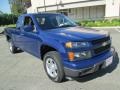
(28, 28)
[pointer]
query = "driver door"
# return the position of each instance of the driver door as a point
(30, 38)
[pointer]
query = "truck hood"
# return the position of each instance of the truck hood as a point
(76, 34)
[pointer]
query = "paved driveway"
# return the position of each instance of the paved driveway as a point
(25, 72)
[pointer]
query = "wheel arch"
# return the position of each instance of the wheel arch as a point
(46, 48)
(8, 38)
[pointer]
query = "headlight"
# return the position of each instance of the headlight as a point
(76, 44)
(79, 55)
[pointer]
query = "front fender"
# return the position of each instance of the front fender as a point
(56, 45)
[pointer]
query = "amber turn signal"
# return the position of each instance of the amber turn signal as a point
(71, 56)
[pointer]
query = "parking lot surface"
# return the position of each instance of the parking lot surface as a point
(22, 71)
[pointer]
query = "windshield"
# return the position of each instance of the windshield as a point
(54, 21)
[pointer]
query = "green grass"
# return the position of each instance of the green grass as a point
(11, 25)
(100, 23)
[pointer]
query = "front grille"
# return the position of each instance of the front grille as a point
(100, 40)
(101, 49)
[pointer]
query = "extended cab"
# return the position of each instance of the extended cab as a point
(65, 48)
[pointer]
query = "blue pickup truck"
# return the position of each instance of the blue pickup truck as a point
(65, 48)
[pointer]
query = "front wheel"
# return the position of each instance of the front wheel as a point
(53, 66)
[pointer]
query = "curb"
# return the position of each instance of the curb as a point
(1, 33)
(107, 27)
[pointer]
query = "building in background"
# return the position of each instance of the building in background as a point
(78, 9)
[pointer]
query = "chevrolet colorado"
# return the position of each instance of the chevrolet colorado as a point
(65, 48)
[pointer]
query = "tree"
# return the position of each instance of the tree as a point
(18, 6)
(6, 19)
(1, 12)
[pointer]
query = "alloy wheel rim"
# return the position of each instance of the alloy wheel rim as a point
(51, 67)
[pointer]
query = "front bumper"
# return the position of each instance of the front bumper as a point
(90, 68)
(85, 71)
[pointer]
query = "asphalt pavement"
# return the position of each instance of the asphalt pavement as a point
(23, 71)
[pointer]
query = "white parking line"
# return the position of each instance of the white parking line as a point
(118, 30)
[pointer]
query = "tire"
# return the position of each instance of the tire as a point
(52, 60)
(12, 48)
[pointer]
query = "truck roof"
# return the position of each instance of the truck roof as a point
(42, 13)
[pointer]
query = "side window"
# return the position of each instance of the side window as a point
(28, 21)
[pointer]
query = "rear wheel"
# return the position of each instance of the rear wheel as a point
(12, 48)
(53, 66)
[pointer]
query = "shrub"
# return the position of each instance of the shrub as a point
(100, 23)
(6, 19)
